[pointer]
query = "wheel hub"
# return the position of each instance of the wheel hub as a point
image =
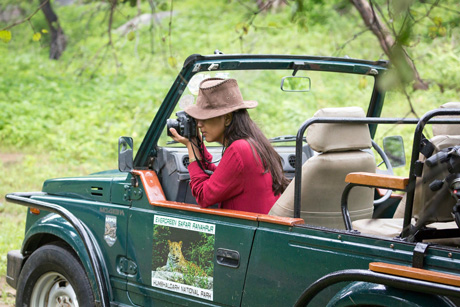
(53, 289)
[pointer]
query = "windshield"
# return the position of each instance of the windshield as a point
(281, 113)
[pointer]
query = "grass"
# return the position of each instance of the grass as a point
(62, 118)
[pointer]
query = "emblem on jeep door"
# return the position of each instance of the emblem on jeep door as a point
(110, 234)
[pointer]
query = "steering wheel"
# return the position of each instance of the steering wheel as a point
(387, 163)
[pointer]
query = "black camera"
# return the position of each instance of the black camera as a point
(185, 125)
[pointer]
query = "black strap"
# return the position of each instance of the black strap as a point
(426, 147)
(418, 168)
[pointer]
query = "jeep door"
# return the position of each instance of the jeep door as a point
(208, 265)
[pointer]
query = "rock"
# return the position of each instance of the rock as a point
(10, 13)
(65, 2)
(141, 21)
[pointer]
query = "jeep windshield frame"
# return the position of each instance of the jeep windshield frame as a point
(198, 63)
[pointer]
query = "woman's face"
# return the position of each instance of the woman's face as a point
(213, 128)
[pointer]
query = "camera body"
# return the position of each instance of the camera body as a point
(185, 125)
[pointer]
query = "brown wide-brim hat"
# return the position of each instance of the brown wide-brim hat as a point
(217, 97)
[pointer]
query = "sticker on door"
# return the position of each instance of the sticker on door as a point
(182, 259)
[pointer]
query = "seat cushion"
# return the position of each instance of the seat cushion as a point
(388, 228)
(391, 228)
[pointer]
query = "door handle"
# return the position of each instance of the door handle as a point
(228, 258)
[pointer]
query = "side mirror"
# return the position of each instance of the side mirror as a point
(393, 146)
(295, 84)
(125, 154)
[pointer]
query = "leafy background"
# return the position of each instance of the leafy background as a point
(63, 118)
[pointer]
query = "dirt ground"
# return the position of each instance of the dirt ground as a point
(10, 157)
(8, 294)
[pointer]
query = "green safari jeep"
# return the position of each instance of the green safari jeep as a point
(338, 236)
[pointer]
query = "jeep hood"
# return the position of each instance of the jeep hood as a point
(95, 187)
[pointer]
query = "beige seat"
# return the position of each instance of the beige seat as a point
(433, 209)
(340, 148)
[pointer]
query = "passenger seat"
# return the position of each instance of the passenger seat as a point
(341, 151)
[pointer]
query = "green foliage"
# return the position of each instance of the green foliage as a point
(5, 36)
(37, 36)
(160, 245)
(202, 253)
(307, 12)
(194, 276)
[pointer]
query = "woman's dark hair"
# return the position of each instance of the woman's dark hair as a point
(243, 127)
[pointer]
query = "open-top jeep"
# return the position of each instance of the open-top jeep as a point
(136, 237)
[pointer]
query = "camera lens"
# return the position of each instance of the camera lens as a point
(172, 123)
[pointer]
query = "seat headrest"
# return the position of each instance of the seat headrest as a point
(447, 129)
(339, 137)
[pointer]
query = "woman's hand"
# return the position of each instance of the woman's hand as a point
(179, 138)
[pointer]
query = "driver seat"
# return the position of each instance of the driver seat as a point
(341, 149)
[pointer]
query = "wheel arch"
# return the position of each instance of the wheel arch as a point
(366, 293)
(54, 229)
(432, 290)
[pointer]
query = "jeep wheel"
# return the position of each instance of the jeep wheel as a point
(53, 276)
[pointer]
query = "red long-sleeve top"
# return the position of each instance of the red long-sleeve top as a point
(238, 183)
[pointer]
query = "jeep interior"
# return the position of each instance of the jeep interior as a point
(285, 102)
(298, 97)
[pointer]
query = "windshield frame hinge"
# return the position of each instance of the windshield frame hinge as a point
(131, 192)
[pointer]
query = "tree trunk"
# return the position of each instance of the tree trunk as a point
(386, 40)
(58, 39)
(270, 4)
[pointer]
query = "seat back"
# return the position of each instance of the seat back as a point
(340, 148)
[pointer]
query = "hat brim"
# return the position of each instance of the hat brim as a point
(199, 113)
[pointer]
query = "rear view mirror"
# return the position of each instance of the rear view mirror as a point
(393, 146)
(295, 84)
(125, 154)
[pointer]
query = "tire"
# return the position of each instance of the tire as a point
(53, 276)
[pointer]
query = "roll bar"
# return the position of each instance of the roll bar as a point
(372, 121)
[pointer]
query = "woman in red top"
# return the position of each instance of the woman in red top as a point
(250, 176)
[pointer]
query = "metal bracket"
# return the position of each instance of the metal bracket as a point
(196, 68)
(418, 256)
(296, 66)
(213, 66)
(131, 193)
(373, 72)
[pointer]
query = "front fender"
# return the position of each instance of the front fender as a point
(98, 265)
(365, 293)
(52, 227)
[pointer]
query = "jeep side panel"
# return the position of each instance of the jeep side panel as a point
(304, 254)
